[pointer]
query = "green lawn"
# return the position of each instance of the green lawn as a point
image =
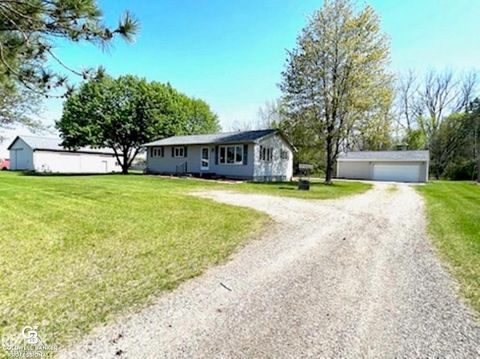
(453, 210)
(77, 250)
(318, 190)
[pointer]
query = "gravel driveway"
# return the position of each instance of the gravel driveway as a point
(355, 277)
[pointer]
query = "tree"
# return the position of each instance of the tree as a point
(408, 106)
(19, 107)
(126, 112)
(337, 74)
(27, 28)
(474, 126)
(271, 114)
(415, 139)
(423, 104)
(449, 138)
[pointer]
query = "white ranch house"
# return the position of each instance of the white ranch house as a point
(263, 155)
(46, 155)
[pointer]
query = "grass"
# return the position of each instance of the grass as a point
(77, 250)
(318, 190)
(453, 210)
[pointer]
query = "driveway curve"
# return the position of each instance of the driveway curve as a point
(355, 277)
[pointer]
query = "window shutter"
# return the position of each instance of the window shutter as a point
(163, 151)
(245, 154)
(173, 154)
(216, 155)
(151, 151)
(185, 151)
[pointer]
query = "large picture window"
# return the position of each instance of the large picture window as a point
(231, 155)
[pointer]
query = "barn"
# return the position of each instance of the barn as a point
(400, 166)
(46, 155)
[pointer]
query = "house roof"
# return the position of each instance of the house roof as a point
(385, 156)
(54, 144)
(217, 138)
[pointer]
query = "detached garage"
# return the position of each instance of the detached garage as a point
(43, 154)
(400, 166)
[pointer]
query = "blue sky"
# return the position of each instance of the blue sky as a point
(231, 52)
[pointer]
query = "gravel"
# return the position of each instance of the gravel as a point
(354, 277)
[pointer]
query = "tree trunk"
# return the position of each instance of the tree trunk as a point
(478, 170)
(125, 163)
(329, 169)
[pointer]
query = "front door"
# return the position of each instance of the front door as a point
(205, 159)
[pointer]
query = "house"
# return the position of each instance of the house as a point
(263, 155)
(45, 154)
(402, 166)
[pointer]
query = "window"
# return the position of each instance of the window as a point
(284, 155)
(179, 152)
(266, 154)
(239, 154)
(157, 151)
(231, 155)
(222, 154)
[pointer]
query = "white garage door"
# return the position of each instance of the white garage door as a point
(396, 172)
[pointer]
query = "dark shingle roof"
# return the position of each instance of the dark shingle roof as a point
(54, 144)
(229, 137)
(386, 155)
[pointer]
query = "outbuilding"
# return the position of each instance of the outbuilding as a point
(400, 166)
(46, 155)
(262, 155)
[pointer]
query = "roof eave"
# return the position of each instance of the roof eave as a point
(383, 159)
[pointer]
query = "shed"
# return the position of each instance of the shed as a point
(400, 166)
(45, 154)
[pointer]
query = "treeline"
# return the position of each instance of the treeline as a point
(439, 112)
(436, 111)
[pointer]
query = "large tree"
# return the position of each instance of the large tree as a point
(28, 29)
(125, 112)
(337, 74)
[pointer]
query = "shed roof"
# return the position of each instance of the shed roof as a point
(385, 156)
(217, 138)
(54, 144)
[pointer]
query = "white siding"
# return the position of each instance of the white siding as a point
(402, 171)
(278, 169)
(68, 162)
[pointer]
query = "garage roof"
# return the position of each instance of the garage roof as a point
(385, 156)
(54, 144)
